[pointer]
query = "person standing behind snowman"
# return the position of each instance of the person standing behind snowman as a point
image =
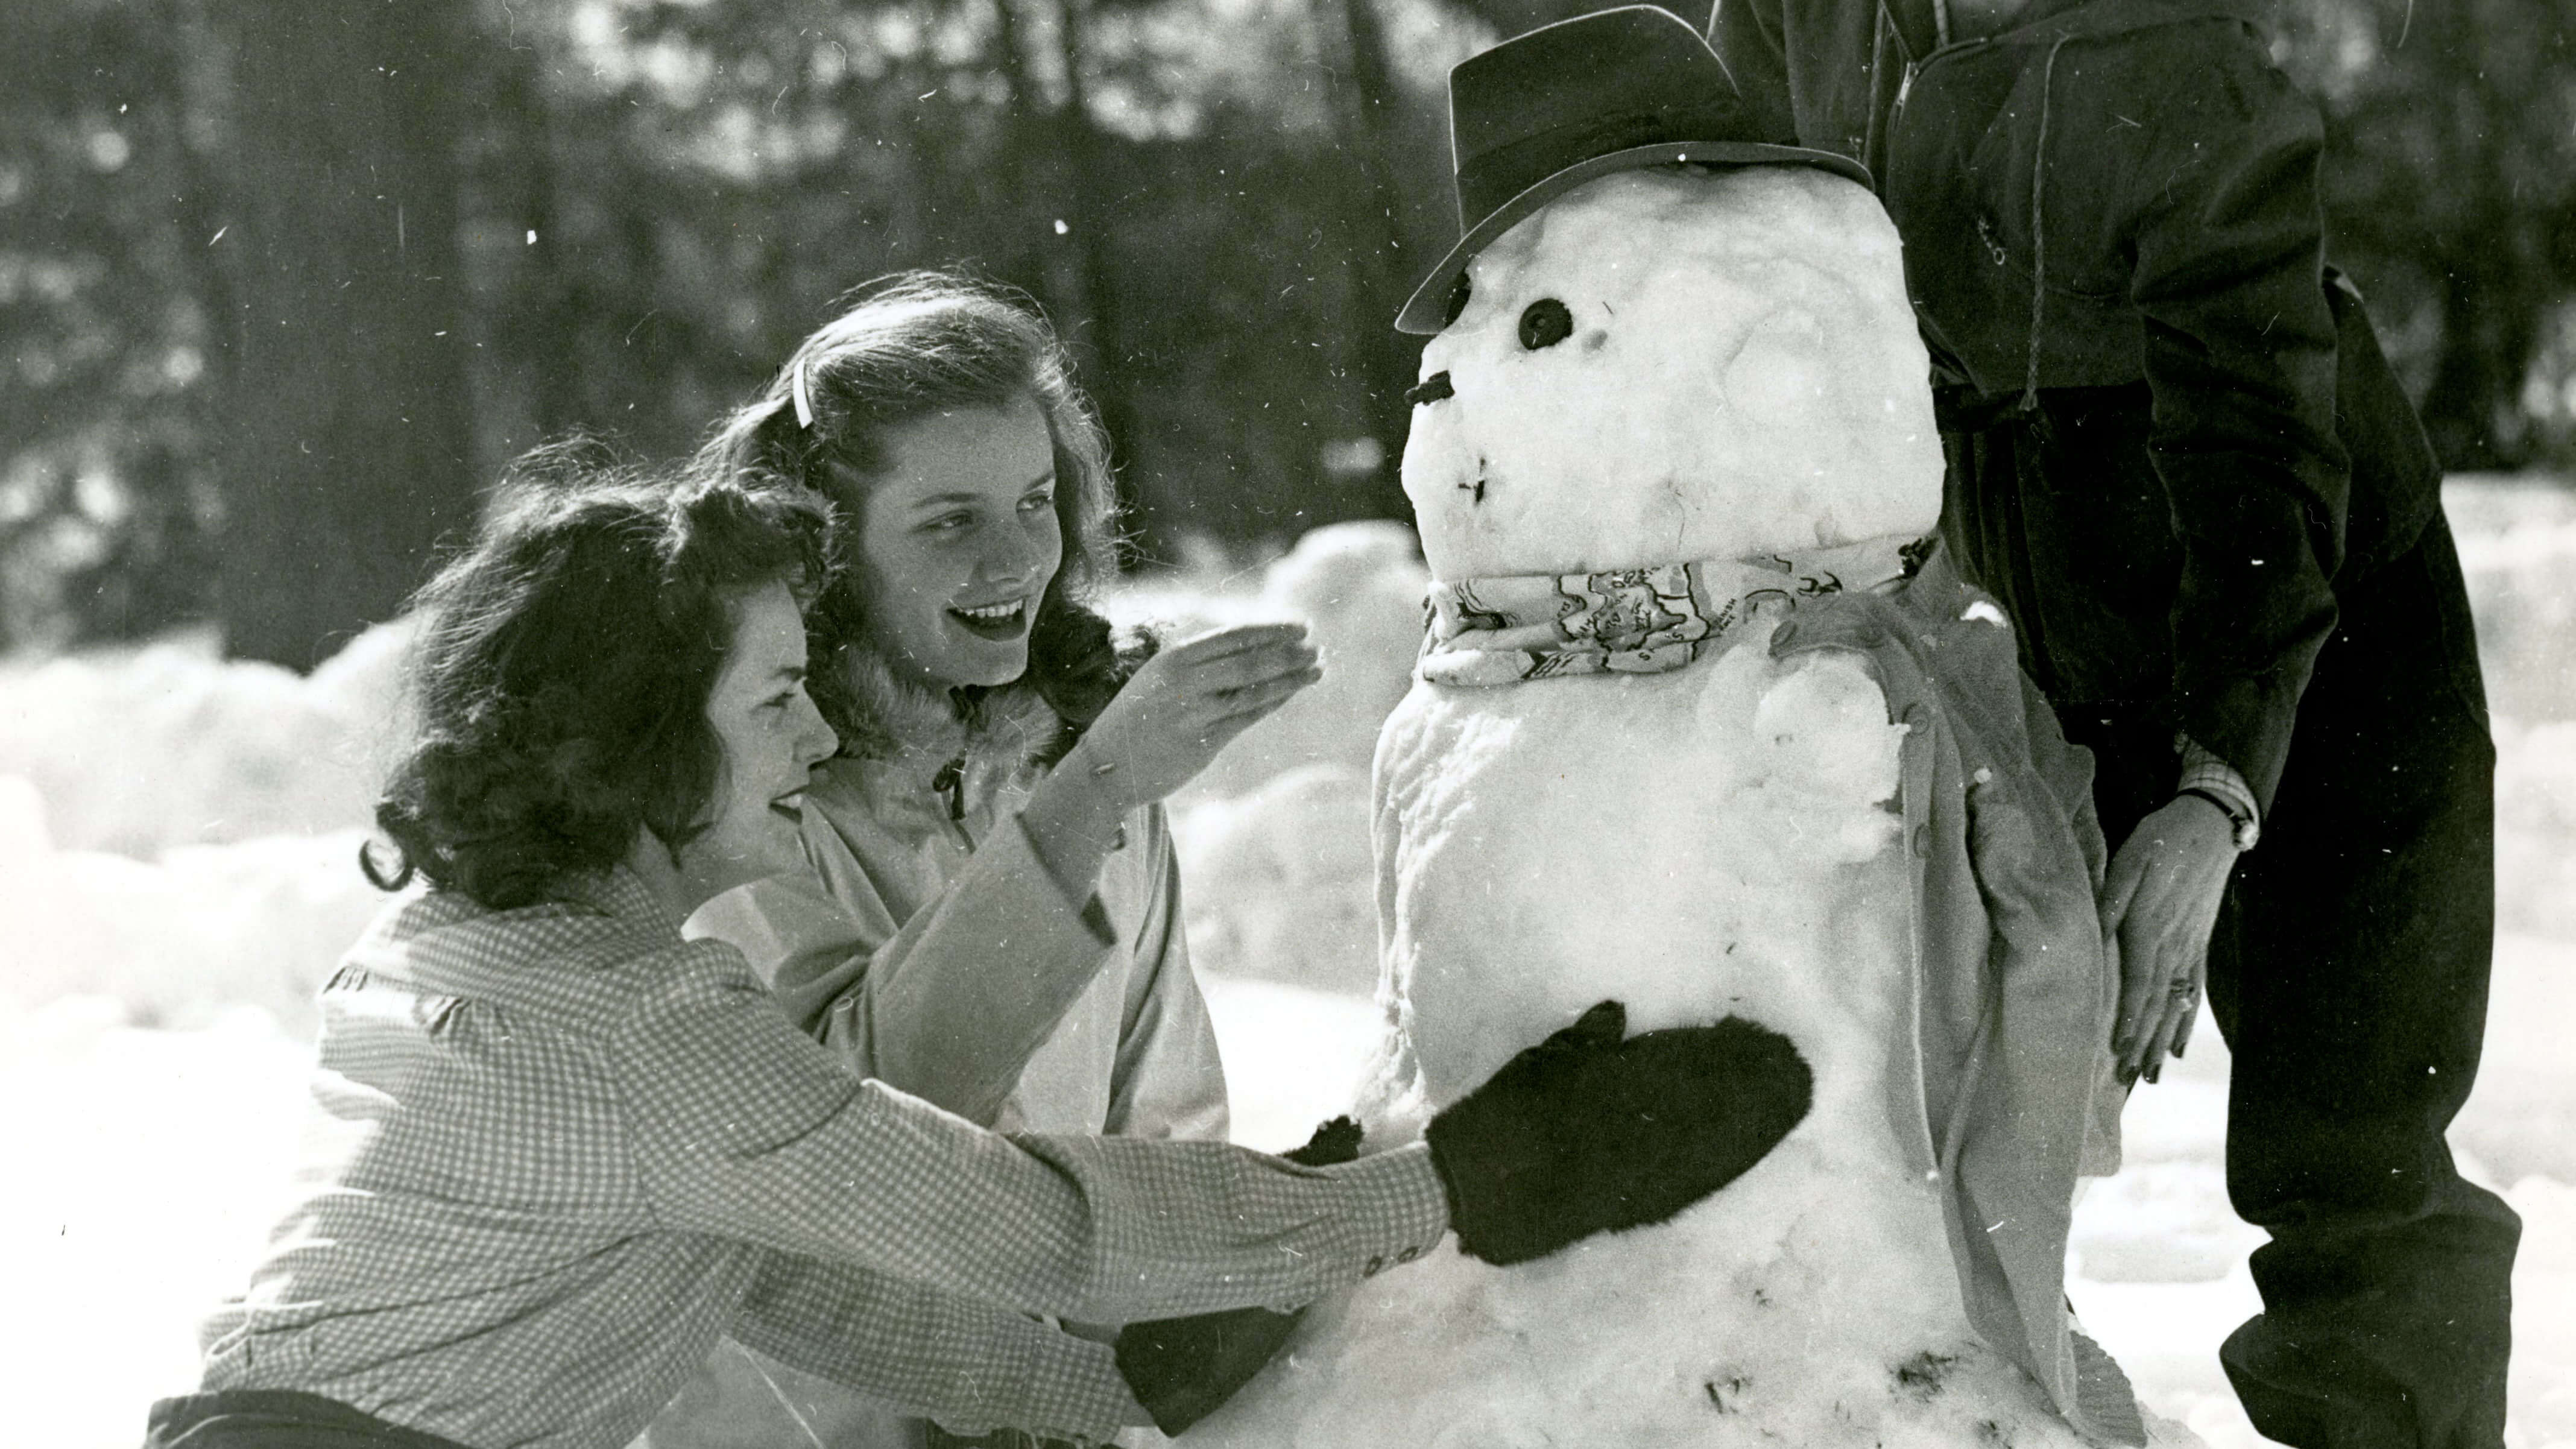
(975, 927)
(2178, 457)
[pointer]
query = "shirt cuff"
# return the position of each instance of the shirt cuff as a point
(2203, 772)
(1069, 1386)
(1397, 1210)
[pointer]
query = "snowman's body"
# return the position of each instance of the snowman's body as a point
(1740, 380)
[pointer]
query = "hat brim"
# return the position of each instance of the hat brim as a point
(1422, 315)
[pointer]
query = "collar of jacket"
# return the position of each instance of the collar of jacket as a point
(2047, 22)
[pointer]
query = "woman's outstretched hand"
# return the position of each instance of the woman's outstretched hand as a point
(1188, 702)
(2159, 905)
(1164, 726)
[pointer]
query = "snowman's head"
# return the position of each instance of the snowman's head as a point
(1676, 363)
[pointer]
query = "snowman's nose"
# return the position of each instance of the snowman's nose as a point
(1430, 390)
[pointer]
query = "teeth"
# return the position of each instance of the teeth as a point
(993, 613)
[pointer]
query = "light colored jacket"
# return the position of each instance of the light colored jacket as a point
(936, 954)
(2010, 1094)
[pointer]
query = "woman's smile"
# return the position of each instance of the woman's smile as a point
(791, 806)
(997, 622)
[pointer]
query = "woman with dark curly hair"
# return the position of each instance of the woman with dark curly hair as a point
(556, 1150)
(985, 922)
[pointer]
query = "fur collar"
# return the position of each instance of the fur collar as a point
(994, 734)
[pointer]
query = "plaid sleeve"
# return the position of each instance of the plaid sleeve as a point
(745, 1128)
(971, 1365)
(2204, 770)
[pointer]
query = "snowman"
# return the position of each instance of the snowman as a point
(1697, 726)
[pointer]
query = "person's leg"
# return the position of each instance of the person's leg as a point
(2350, 979)
(274, 1419)
(738, 1399)
(998, 1439)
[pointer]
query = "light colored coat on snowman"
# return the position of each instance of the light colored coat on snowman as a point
(1697, 728)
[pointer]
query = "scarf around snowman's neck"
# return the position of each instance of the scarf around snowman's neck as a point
(1632, 621)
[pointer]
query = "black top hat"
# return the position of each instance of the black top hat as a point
(1542, 113)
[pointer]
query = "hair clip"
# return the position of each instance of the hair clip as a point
(796, 389)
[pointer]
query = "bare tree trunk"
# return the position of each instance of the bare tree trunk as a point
(1084, 189)
(348, 442)
(551, 338)
(1382, 263)
(2493, 271)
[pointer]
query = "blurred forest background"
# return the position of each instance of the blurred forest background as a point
(284, 282)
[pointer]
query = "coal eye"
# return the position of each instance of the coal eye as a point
(1459, 292)
(1545, 323)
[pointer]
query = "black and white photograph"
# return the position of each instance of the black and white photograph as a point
(1288, 724)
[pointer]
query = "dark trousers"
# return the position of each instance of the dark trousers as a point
(2349, 976)
(275, 1419)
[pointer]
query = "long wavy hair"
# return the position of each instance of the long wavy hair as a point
(909, 346)
(560, 678)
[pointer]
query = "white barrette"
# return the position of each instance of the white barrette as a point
(797, 390)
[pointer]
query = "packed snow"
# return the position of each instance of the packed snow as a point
(1761, 358)
(152, 1020)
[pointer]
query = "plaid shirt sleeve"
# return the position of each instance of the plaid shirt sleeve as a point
(2203, 770)
(745, 1128)
(971, 1365)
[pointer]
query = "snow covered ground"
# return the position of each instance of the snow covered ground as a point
(175, 868)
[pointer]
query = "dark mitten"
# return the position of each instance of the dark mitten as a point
(1181, 1369)
(1587, 1133)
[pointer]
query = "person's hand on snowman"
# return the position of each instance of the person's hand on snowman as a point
(2160, 903)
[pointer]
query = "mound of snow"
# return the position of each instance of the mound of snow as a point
(180, 940)
(1277, 884)
(2517, 540)
(141, 750)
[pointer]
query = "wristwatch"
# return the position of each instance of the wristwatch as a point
(2241, 821)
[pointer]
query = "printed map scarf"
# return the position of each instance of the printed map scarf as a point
(1633, 621)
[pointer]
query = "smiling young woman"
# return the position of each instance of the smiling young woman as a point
(989, 912)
